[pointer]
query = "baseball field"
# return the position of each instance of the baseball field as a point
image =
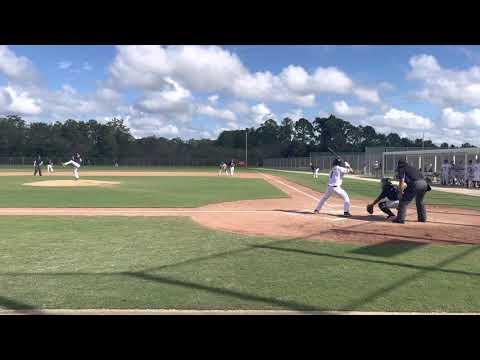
(188, 239)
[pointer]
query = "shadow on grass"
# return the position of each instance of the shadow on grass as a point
(416, 237)
(226, 292)
(388, 248)
(371, 261)
(14, 304)
(397, 284)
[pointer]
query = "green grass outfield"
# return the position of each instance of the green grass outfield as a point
(370, 190)
(178, 191)
(145, 263)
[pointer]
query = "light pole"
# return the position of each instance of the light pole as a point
(246, 144)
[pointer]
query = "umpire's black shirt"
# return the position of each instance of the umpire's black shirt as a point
(409, 174)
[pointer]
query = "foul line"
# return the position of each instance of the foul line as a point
(208, 312)
(300, 191)
(291, 187)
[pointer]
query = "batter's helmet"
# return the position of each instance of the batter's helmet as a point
(337, 161)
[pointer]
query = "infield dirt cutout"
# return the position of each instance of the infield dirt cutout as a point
(292, 218)
(72, 183)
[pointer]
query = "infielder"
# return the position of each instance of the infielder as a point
(388, 199)
(50, 166)
(75, 162)
(315, 171)
(335, 180)
(222, 169)
(232, 167)
(37, 164)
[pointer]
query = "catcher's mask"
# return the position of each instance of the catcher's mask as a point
(386, 181)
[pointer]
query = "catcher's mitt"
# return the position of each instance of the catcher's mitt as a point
(370, 209)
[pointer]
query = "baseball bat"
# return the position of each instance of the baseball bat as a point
(334, 153)
(337, 155)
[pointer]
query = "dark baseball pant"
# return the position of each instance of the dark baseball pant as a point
(38, 170)
(417, 190)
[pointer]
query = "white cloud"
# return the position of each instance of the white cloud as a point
(331, 80)
(368, 95)
(294, 114)
(16, 68)
(461, 120)
(260, 113)
(217, 113)
(443, 86)
(63, 65)
(295, 78)
(212, 68)
(341, 108)
(173, 99)
(213, 99)
(20, 102)
(87, 67)
(400, 119)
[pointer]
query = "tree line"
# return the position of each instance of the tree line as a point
(113, 140)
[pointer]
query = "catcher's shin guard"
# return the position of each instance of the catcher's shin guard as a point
(382, 206)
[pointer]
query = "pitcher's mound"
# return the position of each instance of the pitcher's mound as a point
(72, 183)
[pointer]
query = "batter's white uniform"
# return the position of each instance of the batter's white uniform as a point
(50, 168)
(232, 169)
(335, 181)
(315, 175)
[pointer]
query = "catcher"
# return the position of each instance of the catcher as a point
(388, 199)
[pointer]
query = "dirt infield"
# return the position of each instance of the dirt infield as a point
(292, 217)
(71, 183)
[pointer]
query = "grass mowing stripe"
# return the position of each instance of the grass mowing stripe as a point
(171, 263)
(137, 192)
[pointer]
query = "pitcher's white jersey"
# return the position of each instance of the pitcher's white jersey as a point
(336, 175)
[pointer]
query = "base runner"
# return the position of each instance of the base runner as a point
(335, 186)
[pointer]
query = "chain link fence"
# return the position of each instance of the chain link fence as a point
(430, 161)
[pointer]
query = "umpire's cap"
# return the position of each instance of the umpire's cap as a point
(402, 163)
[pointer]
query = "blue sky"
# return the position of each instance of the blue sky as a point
(198, 91)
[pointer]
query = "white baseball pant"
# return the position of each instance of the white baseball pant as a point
(232, 168)
(76, 166)
(340, 192)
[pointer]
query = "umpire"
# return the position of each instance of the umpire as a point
(416, 188)
(38, 166)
